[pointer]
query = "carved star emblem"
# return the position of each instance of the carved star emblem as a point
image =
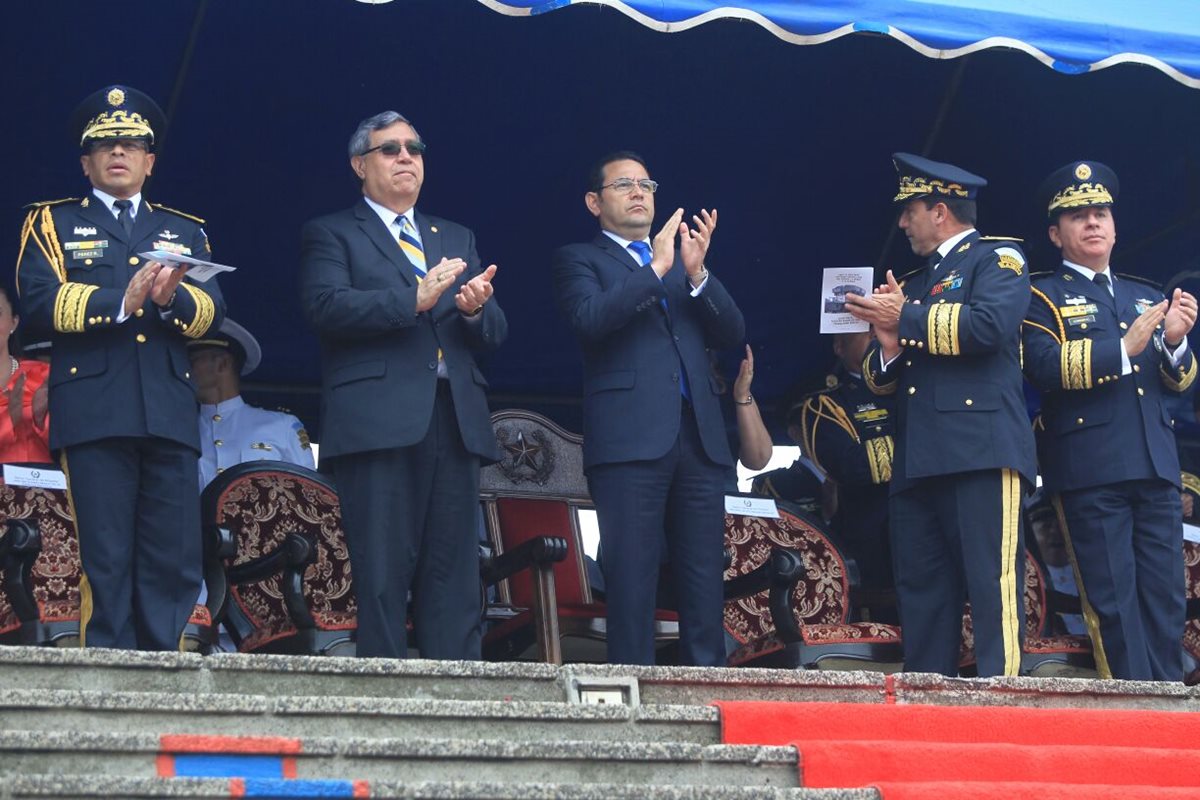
(523, 453)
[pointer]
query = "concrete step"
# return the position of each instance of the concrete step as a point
(364, 717)
(68, 787)
(118, 671)
(51, 753)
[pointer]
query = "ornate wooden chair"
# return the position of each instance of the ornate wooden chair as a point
(536, 491)
(40, 567)
(285, 587)
(804, 616)
(39, 557)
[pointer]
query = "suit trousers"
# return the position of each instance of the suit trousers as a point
(956, 538)
(137, 510)
(1126, 540)
(411, 520)
(676, 502)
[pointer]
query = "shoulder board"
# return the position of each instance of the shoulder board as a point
(1000, 239)
(177, 212)
(1141, 280)
(45, 203)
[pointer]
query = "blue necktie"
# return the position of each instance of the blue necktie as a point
(642, 251)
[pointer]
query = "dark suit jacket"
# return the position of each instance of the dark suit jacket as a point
(1100, 426)
(378, 356)
(960, 401)
(632, 350)
(106, 379)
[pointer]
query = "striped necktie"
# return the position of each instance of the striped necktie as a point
(416, 254)
(411, 246)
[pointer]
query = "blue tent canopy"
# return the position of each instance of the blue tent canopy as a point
(791, 144)
(1072, 36)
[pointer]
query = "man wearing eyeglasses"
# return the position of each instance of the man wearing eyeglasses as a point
(654, 444)
(402, 305)
(122, 404)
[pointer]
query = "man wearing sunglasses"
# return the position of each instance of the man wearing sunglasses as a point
(654, 444)
(402, 305)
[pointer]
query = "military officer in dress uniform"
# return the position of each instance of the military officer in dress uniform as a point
(232, 432)
(121, 395)
(846, 431)
(948, 344)
(1106, 350)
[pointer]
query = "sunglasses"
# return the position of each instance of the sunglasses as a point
(392, 149)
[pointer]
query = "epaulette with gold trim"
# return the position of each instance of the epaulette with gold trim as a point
(177, 212)
(44, 203)
(1141, 280)
(1000, 239)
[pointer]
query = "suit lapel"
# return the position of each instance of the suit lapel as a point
(614, 250)
(96, 212)
(1090, 290)
(144, 223)
(381, 237)
(431, 241)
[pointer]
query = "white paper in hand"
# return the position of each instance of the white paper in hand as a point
(837, 283)
(197, 269)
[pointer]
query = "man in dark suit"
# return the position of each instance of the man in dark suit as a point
(654, 442)
(1107, 351)
(948, 344)
(121, 399)
(402, 306)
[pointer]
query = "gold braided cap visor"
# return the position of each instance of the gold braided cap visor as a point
(917, 186)
(117, 125)
(1085, 194)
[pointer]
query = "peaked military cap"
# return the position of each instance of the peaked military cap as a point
(1079, 184)
(922, 177)
(117, 112)
(232, 338)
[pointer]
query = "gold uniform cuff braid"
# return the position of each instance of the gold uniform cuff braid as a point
(205, 312)
(70, 306)
(748, 401)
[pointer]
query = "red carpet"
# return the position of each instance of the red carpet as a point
(980, 752)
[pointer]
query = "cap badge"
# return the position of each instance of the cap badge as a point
(1083, 172)
(116, 97)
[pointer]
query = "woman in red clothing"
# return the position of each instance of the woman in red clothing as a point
(24, 418)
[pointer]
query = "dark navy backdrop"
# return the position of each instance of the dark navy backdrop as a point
(790, 143)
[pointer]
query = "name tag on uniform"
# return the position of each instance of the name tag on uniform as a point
(1081, 320)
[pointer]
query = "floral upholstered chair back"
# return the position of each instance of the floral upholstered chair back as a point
(821, 598)
(56, 571)
(261, 503)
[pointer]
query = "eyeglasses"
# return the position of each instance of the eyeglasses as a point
(625, 185)
(108, 145)
(392, 149)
